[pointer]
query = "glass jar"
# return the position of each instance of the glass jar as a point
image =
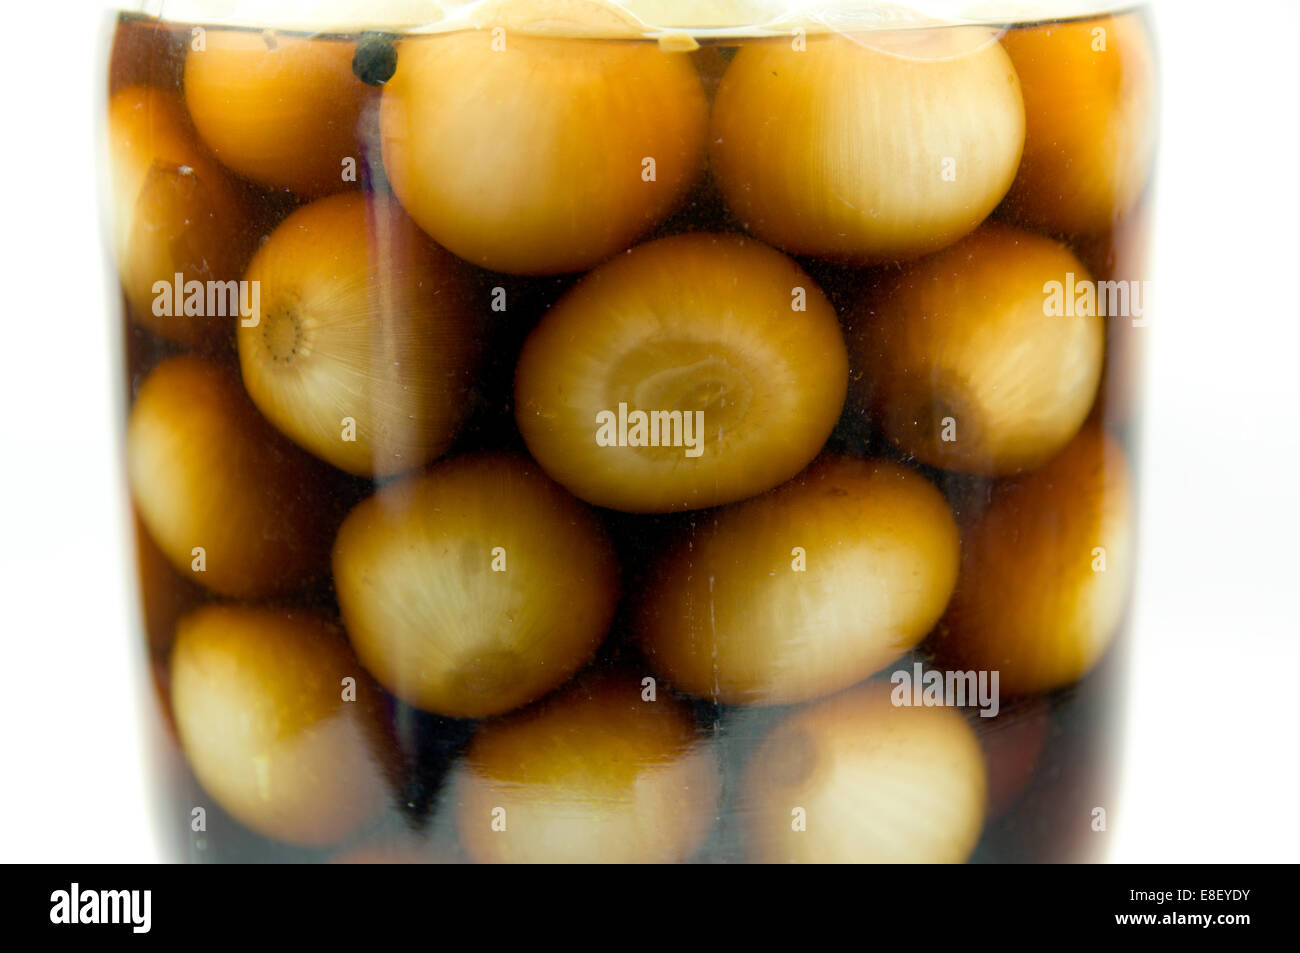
(563, 430)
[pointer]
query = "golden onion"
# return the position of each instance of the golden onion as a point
(803, 591)
(174, 211)
(544, 155)
(728, 335)
(854, 779)
(869, 148)
(963, 361)
(594, 774)
(367, 338)
(1090, 102)
(280, 110)
(475, 588)
(1045, 571)
(259, 699)
(230, 503)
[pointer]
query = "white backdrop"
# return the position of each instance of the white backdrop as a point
(1211, 769)
(1211, 765)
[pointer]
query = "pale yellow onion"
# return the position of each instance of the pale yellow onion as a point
(694, 324)
(431, 617)
(1046, 571)
(870, 783)
(728, 614)
(960, 362)
(367, 338)
(280, 110)
(841, 150)
(207, 473)
(174, 211)
(258, 696)
(532, 159)
(594, 774)
(1090, 122)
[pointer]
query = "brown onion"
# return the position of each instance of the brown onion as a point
(230, 502)
(868, 148)
(536, 155)
(731, 337)
(475, 588)
(964, 361)
(174, 211)
(1045, 571)
(867, 782)
(1090, 101)
(259, 698)
(280, 110)
(803, 591)
(367, 336)
(595, 774)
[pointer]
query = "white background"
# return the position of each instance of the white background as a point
(1211, 768)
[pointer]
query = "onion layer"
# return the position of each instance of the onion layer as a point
(868, 149)
(541, 156)
(871, 783)
(475, 588)
(731, 337)
(367, 336)
(592, 775)
(804, 591)
(965, 364)
(259, 701)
